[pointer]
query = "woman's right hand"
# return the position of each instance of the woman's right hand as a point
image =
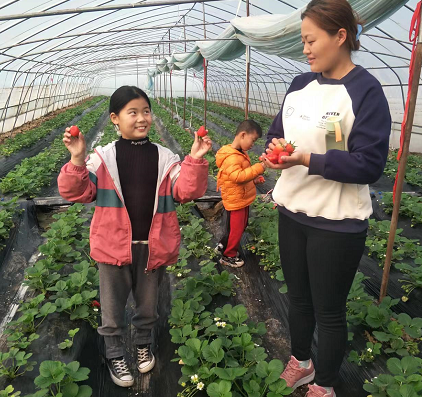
(76, 147)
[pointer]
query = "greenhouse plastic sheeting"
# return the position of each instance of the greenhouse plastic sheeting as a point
(225, 50)
(280, 34)
(188, 60)
(272, 34)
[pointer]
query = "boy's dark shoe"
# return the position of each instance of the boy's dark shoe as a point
(146, 359)
(119, 372)
(232, 262)
(219, 249)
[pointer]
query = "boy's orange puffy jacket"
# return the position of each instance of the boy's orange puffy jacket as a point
(235, 178)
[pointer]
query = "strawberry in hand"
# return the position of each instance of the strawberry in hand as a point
(259, 180)
(74, 131)
(202, 131)
(289, 148)
(281, 155)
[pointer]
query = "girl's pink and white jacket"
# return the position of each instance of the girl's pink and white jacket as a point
(111, 232)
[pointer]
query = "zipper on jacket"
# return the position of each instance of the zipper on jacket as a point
(124, 206)
(153, 216)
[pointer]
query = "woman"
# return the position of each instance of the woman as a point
(338, 117)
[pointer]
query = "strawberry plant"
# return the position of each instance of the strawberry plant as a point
(377, 240)
(19, 340)
(412, 276)
(196, 238)
(367, 355)
(15, 363)
(33, 313)
(263, 229)
(410, 206)
(68, 343)
(8, 209)
(60, 379)
(9, 392)
(413, 169)
(404, 379)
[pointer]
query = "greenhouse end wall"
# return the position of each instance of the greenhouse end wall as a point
(20, 105)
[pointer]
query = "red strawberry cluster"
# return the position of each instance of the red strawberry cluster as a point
(280, 151)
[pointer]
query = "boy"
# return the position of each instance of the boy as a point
(236, 179)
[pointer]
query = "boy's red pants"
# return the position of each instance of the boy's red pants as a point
(236, 222)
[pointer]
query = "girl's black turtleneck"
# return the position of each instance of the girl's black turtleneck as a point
(137, 162)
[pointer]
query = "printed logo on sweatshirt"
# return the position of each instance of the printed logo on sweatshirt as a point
(321, 123)
(304, 117)
(289, 111)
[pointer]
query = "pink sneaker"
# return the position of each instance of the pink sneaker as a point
(296, 376)
(319, 391)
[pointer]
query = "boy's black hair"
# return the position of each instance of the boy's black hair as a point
(123, 95)
(249, 126)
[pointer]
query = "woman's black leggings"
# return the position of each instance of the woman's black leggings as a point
(319, 267)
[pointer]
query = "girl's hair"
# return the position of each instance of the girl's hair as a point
(332, 15)
(123, 95)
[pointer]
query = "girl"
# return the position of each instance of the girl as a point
(339, 119)
(134, 231)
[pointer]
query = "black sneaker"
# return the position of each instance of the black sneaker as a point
(219, 249)
(119, 372)
(232, 262)
(146, 359)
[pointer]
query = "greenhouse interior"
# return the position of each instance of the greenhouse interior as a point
(205, 65)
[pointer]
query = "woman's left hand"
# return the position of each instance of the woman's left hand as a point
(200, 146)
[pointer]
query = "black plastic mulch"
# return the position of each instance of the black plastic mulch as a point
(256, 290)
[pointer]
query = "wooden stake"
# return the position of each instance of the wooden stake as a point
(402, 166)
(205, 71)
(186, 79)
(171, 88)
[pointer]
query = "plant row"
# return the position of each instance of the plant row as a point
(219, 348)
(235, 114)
(183, 137)
(64, 280)
(27, 178)
(29, 138)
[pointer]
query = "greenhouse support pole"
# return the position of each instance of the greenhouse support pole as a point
(137, 73)
(205, 70)
(171, 88)
(186, 79)
(402, 164)
(248, 69)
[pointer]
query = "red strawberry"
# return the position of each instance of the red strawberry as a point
(282, 154)
(290, 148)
(278, 148)
(74, 130)
(95, 304)
(261, 179)
(273, 157)
(202, 131)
